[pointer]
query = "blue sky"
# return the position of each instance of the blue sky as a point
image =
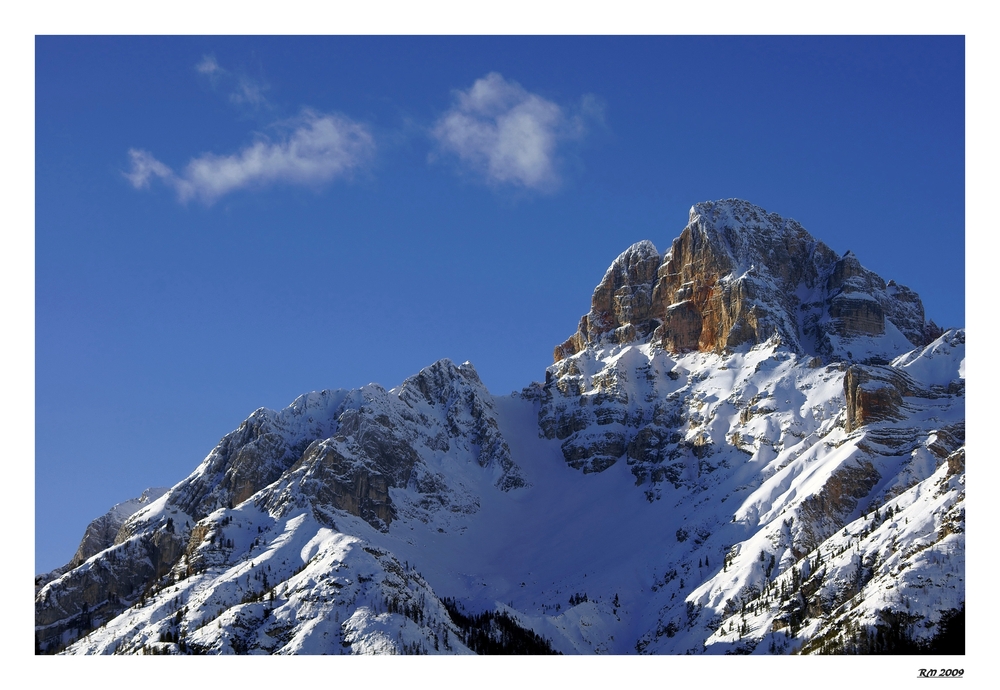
(224, 223)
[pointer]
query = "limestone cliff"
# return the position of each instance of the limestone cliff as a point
(738, 275)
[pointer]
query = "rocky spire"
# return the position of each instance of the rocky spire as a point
(621, 306)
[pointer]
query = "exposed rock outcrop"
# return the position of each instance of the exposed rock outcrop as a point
(90, 594)
(336, 450)
(738, 275)
(875, 394)
(102, 532)
(621, 307)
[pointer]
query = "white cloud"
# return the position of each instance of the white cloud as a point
(506, 134)
(144, 166)
(208, 65)
(318, 148)
(243, 90)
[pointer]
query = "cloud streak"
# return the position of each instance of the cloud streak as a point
(314, 150)
(243, 90)
(506, 134)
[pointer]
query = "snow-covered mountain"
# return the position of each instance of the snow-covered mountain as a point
(750, 445)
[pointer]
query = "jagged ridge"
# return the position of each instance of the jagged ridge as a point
(738, 275)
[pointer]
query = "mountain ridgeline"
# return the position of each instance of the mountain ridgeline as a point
(751, 445)
(738, 275)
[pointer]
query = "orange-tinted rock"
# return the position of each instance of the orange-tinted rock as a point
(682, 325)
(874, 394)
(622, 302)
(738, 275)
(856, 313)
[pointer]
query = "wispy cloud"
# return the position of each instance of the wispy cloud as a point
(144, 168)
(248, 91)
(507, 134)
(208, 65)
(313, 150)
(242, 89)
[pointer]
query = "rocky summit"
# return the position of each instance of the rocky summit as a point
(751, 445)
(738, 275)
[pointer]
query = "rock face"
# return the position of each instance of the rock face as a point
(874, 394)
(103, 586)
(738, 275)
(375, 446)
(622, 303)
(101, 532)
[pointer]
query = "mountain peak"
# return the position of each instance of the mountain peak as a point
(734, 212)
(738, 275)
